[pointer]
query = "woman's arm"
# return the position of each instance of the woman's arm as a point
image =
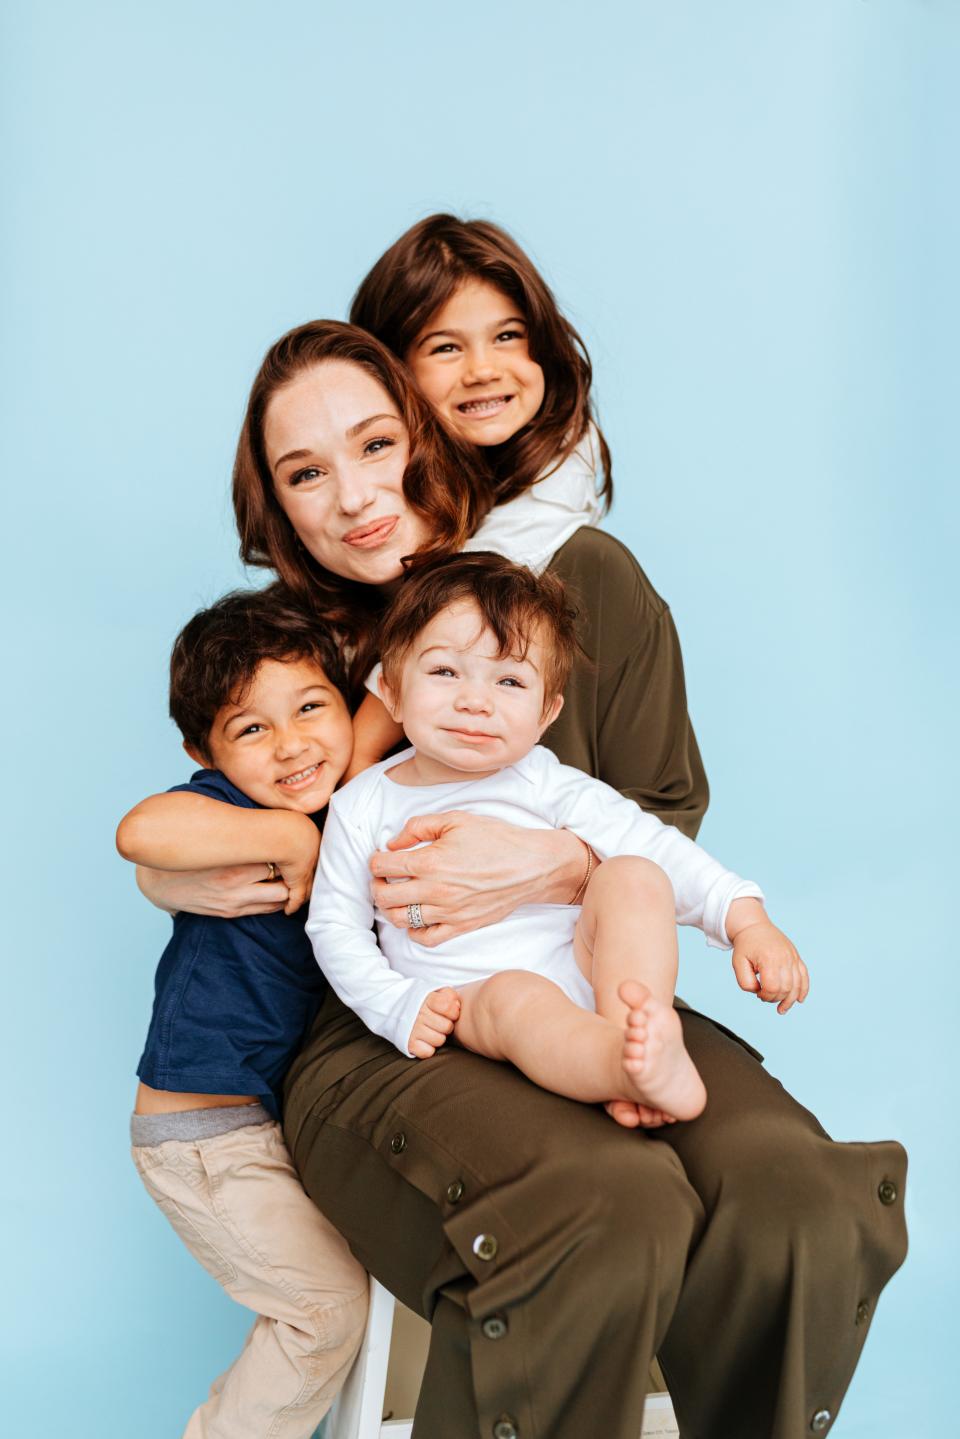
(646, 747)
(184, 832)
(229, 893)
(375, 733)
(625, 719)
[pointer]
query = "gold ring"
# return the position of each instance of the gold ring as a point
(272, 871)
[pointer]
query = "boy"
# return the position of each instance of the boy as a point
(475, 654)
(255, 689)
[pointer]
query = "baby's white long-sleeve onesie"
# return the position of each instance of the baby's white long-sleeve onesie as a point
(387, 984)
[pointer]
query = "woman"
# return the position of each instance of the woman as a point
(553, 1251)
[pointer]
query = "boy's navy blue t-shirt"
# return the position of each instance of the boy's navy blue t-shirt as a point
(234, 998)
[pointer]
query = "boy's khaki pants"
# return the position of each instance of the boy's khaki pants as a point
(237, 1204)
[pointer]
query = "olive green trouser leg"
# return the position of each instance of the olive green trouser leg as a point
(801, 1236)
(547, 1245)
(475, 1197)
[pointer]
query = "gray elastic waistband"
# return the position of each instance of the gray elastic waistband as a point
(146, 1130)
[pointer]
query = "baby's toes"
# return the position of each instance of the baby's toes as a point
(634, 1052)
(624, 1113)
(637, 1023)
(658, 1118)
(633, 993)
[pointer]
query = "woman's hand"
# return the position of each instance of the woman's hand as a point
(472, 871)
(297, 877)
(197, 854)
(296, 861)
(225, 893)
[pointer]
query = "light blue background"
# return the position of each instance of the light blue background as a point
(750, 210)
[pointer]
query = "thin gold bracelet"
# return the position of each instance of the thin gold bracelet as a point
(591, 860)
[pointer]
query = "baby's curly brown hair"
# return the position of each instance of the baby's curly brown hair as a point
(515, 604)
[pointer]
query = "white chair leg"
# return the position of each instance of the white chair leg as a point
(358, 1411)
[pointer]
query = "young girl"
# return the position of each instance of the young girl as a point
(461, 303)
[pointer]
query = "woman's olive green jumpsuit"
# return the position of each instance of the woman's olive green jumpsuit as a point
(553, 1251)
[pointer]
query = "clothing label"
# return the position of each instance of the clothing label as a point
(658, 1418)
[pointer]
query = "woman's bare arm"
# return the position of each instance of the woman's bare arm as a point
(375, 732)
(228, 893)
(189, 833)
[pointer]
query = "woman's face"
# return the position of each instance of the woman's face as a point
(472, 361)
(337, 449)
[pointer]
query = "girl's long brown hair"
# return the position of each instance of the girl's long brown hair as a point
(417, 276)
(442, 482)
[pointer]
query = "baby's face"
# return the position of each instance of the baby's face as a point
(287, 740)
(463, 708)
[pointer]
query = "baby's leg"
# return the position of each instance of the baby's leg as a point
(626, 945)
(528, 1020)
(627, 930)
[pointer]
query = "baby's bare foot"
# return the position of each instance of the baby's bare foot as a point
(659, 1076)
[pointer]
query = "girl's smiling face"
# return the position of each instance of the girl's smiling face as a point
(472, 361)
(338, 449)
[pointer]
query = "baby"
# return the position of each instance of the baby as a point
(475, 653)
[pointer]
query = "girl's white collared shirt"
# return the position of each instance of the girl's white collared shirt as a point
(531, 528)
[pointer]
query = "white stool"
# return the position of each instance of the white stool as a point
(358, 1412)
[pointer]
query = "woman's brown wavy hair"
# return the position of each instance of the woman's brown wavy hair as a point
(442, 481)
(417, 276)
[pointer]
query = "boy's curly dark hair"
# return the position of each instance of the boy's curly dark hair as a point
(217, 653)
